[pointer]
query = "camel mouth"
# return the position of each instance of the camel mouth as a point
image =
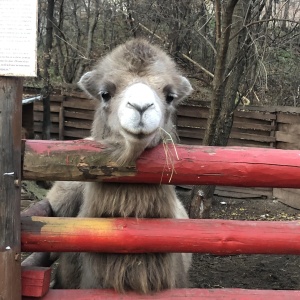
(139, 134)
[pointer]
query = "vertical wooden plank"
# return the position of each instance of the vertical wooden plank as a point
(61, 122)
(273, 131)
(10, 191)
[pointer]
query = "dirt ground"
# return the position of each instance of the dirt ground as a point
(246, 271)
(238, 271)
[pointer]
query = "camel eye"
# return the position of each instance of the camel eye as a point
(106, 96)
(170, 97)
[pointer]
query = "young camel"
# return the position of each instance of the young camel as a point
(138, 88)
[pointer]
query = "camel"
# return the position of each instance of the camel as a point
(138, 88)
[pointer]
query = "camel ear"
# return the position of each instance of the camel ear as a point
(88, 83)
(185, 88)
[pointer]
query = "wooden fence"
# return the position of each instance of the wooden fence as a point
(196, 165)
(253, 126)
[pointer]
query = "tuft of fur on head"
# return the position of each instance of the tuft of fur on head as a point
(138, 88)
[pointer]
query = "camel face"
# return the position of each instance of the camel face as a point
(138, 88)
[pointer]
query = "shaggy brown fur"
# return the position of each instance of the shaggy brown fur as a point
(142, 66)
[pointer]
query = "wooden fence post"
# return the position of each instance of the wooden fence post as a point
(10, 187)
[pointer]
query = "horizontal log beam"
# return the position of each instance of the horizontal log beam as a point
(205, 294)
(235, 166)
(221, 237)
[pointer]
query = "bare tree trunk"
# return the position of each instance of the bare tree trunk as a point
(90, 37)
(46, 90)
(229, 67)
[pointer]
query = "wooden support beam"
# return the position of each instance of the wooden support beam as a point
(35, 281)
(234, 166)
(220, 237)
(10, 187)
(193, 294)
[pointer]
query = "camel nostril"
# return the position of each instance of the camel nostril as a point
(140, 109)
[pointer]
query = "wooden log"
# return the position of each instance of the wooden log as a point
(234, 166)
(205, 294)
(10, 187)
(221, 237)
(35, 281)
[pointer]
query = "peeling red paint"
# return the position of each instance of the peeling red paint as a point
(233, 166)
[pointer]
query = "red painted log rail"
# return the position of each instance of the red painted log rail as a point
(221, 237)
(234, 166)
(193, 294)
(86, 161)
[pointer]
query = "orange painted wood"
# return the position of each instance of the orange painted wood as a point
(205, 294)
(234, 166)
(35, 281)
(221, 237)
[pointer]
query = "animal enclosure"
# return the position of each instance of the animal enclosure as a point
(206, 236)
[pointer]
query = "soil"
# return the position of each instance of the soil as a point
(246, 271)
(236, 271)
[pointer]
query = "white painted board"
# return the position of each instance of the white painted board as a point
(18, 34)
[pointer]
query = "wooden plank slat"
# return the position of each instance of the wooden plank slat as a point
(53, 108)
(191, 132)
(288, 109)
(35, 281)
(251, 131)
(245, 143)
(79, 103)
(268, 192)
(190, 141)
(289, 197)
(76, 114)
(286, 146)
(255, 115)
(288, 118)
(56, 98)
(236, 195)
(77, 134)
(271, 109)
(191, 122)
(252, 121)
(252, 137)
(193, 111)
(254, 126)
(79, 124)
(261, 109)
(282, 136)
(75, 94)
